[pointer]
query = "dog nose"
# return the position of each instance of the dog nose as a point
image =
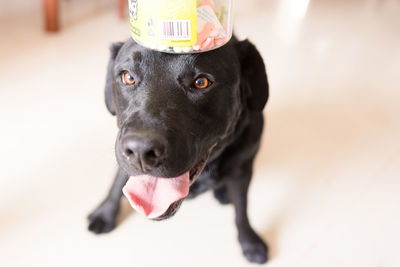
(144, 150)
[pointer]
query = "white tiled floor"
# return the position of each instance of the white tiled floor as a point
(326, 190)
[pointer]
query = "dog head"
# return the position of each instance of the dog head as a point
(173, 110)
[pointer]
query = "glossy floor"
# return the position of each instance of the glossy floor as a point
(326, 189)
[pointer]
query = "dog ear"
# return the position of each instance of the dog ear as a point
(114, 49)
(254, 80)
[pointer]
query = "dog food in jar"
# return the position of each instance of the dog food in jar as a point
(181, 26)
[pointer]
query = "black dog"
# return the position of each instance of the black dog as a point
(194, 119)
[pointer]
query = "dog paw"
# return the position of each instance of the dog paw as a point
(221, 194)
(255, 252)
(102, 219)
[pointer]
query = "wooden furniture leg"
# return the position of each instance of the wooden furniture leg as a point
(121, 8)
(51, 15)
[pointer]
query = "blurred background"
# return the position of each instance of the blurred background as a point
(326, 188)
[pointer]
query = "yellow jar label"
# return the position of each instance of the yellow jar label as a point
(167, 23)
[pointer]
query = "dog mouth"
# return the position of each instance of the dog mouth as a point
(159, 198)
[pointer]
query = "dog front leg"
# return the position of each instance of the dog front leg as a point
(102, 219)
(253, 246)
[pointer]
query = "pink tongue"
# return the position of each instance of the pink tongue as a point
(152, 196)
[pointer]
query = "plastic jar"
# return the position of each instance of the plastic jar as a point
(181, 26)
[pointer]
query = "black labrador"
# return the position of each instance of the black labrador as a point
(187, 123)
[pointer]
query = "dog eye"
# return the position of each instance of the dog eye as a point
(127, 78)
(201, 83)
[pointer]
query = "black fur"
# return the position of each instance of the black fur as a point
(220, 125)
